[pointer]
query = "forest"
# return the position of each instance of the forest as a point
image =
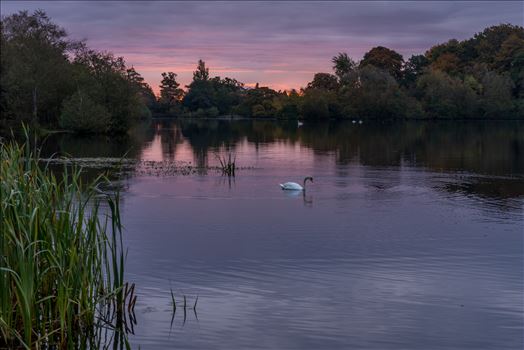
(54, 82)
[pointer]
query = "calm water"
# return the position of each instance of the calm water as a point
(410, 237)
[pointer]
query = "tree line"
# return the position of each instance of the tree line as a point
(481, 77)
(51, 80)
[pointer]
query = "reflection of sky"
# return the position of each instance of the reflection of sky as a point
(279, 44)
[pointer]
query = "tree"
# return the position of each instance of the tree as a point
(489, 42)
(170, 92)
(374, 93)
(510, 58)
(202, 73)
(314, 106)
(443, 96)
(104, 77)
(227, 93)
(414, 68)
(343, 65)
(497, 99)
(35, 70)
(147, 96)
(448, 63)
(324, 81)
(80, 113)
(384, 58)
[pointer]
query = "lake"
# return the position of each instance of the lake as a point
(410, 237)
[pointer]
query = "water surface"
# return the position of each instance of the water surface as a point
(410, 237)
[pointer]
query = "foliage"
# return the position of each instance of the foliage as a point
(80, 113)
(62, 266)
(105, 79)
(374, 93)
(201, 73)
(315, 105)
(443, 96)
(41, 68)
(324, 81)
(170, 92)
(35, 66)
(386, 59)
(343, 65)
(413, 69)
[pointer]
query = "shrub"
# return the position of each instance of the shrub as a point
(81, 114)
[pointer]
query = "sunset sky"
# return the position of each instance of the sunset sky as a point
(279, 44)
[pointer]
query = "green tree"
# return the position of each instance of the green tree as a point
(374, 93)
(80, 113)
(104, 78)
(35, 68)
(497, 101)
(443, 96)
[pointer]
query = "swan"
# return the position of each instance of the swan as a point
(293, 186)
(299, 123)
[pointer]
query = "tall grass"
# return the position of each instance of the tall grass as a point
(62, 261)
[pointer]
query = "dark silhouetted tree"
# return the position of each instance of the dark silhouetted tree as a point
(201, 73)
(343, 65)
(170, 92)
(386, 59)
(324, 81)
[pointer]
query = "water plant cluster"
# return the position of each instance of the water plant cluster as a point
(61, 257)
(226, 166)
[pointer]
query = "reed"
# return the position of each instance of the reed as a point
(62, 258)
(227, 164)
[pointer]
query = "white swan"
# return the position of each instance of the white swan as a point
(293, 186)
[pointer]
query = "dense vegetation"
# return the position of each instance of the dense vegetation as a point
(61, 265)
(51, 80)
(48, 79)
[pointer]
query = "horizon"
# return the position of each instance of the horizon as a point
(173, 36)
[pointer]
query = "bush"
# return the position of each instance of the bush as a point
(81, 114)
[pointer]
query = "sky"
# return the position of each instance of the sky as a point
(277, 44)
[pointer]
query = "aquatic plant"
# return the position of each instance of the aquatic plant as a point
(62, 258)
(227, 164)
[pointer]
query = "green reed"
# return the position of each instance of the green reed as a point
(61, 256)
